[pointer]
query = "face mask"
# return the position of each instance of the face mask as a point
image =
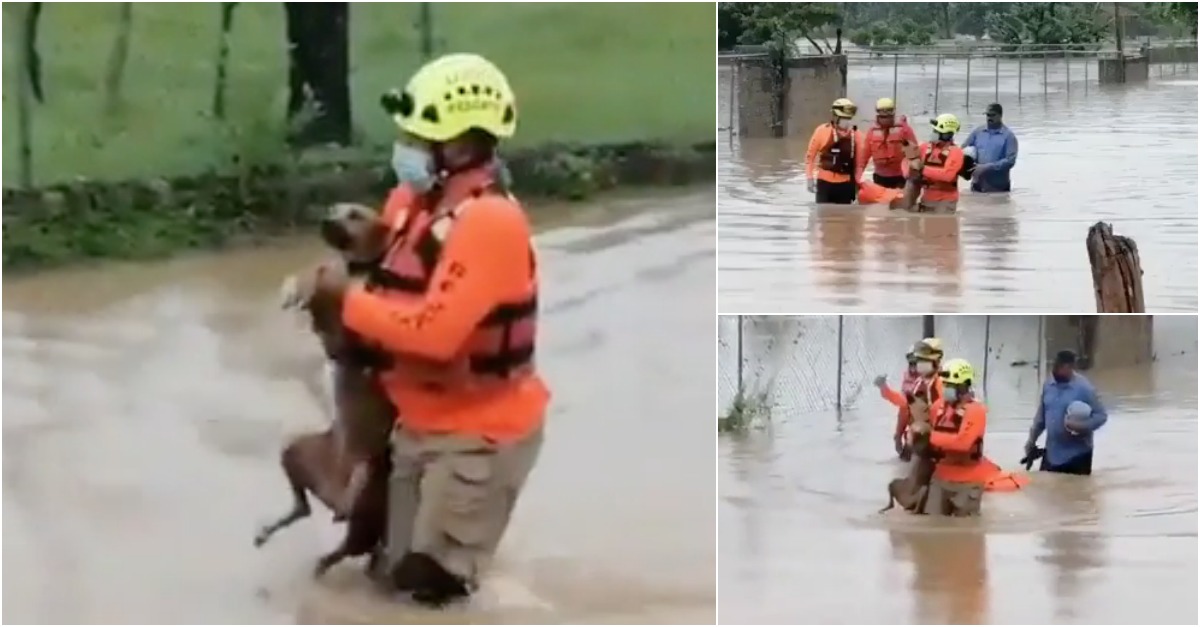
(951, 395)
(924, 368)
(1062, 378)
(843, 123)
(413, 166)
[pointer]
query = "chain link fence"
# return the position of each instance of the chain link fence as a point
(816, 364)
(930, 80)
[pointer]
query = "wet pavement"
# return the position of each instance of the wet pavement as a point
(1120, 154)
(146, 404)
(800, 539)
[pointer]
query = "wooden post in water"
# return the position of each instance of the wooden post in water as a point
(1116, 271)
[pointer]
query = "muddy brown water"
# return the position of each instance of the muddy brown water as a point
(800, 539)
(1120, 154)
(145, 406)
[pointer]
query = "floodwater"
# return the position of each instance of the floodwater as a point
(145, 406)
(801, 541)
(1120, 154)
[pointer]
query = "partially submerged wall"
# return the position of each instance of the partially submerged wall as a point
(1102, 342)
(771, 107)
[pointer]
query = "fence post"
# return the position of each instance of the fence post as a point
(927, 326)
(733, 72)
(425, 24)
(1067, 58)
(987, 350)
(1041, 361)
(967, 104)
(895, 77)
(1020, 73)
(741, 355)
(997, 96)
(1085, 74)
(937, 84)
(841, 320)
(1045, 72)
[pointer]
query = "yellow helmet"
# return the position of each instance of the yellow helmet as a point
(958, 372)
(945, 123)
(844, 108)
(452, 95)
(885, 104)
(929, 348)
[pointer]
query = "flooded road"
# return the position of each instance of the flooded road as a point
(1122, 154)
(800, 539)
(145, 406)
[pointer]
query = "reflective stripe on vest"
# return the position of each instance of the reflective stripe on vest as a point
(950, 421)
(503, 342)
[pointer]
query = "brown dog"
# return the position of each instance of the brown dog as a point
(912, 491)
(346, 466)
(912, 184)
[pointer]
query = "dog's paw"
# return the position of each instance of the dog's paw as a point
(295, 292)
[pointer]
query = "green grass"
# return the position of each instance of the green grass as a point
(583, 72)
(746, 412)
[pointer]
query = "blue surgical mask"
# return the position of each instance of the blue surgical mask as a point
(413, 166)
(951, 395)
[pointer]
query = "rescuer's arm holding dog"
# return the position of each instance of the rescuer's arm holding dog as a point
(476, 270)
(974, 423)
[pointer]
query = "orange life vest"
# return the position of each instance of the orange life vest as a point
(936, 157)
(503, 343)
(950, 421)
(886, 147)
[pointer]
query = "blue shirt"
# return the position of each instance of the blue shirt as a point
(996, 151)
(1062, 446)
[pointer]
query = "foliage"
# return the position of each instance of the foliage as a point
(746, 412)
(1047, 23)
(902, 32)
(776, 25)
(1174, 14)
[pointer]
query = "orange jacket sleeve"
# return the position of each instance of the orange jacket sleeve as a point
(863, 154)
(483, 254)
(820, 137)
(973, 425)
(948, 171)
(893, 396)
(860, 164)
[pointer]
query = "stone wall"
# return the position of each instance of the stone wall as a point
(1137, 69)
(1113, 341)
(147, 218)
(811, 84)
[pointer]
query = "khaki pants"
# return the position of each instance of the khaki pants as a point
(949, 498)
(451, 497)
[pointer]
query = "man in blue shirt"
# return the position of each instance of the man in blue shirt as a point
(1068, 441)
(995, 153)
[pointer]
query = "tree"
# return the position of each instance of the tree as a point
(1047, 23)
(778, 25)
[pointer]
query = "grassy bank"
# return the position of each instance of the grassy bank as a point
(584, 73)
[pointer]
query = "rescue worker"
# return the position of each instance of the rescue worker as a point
(453, 304)
(959, 423)
(942, 160)
(831, 166)
(884, 143)
(1069, 412)
(920, 388)
(996, 152)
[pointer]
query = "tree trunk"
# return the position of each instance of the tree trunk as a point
(33, 60)
(218, 106)
(1116, 271)
(25, 98)
(319, 72)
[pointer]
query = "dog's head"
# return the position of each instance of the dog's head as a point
(355, 231)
